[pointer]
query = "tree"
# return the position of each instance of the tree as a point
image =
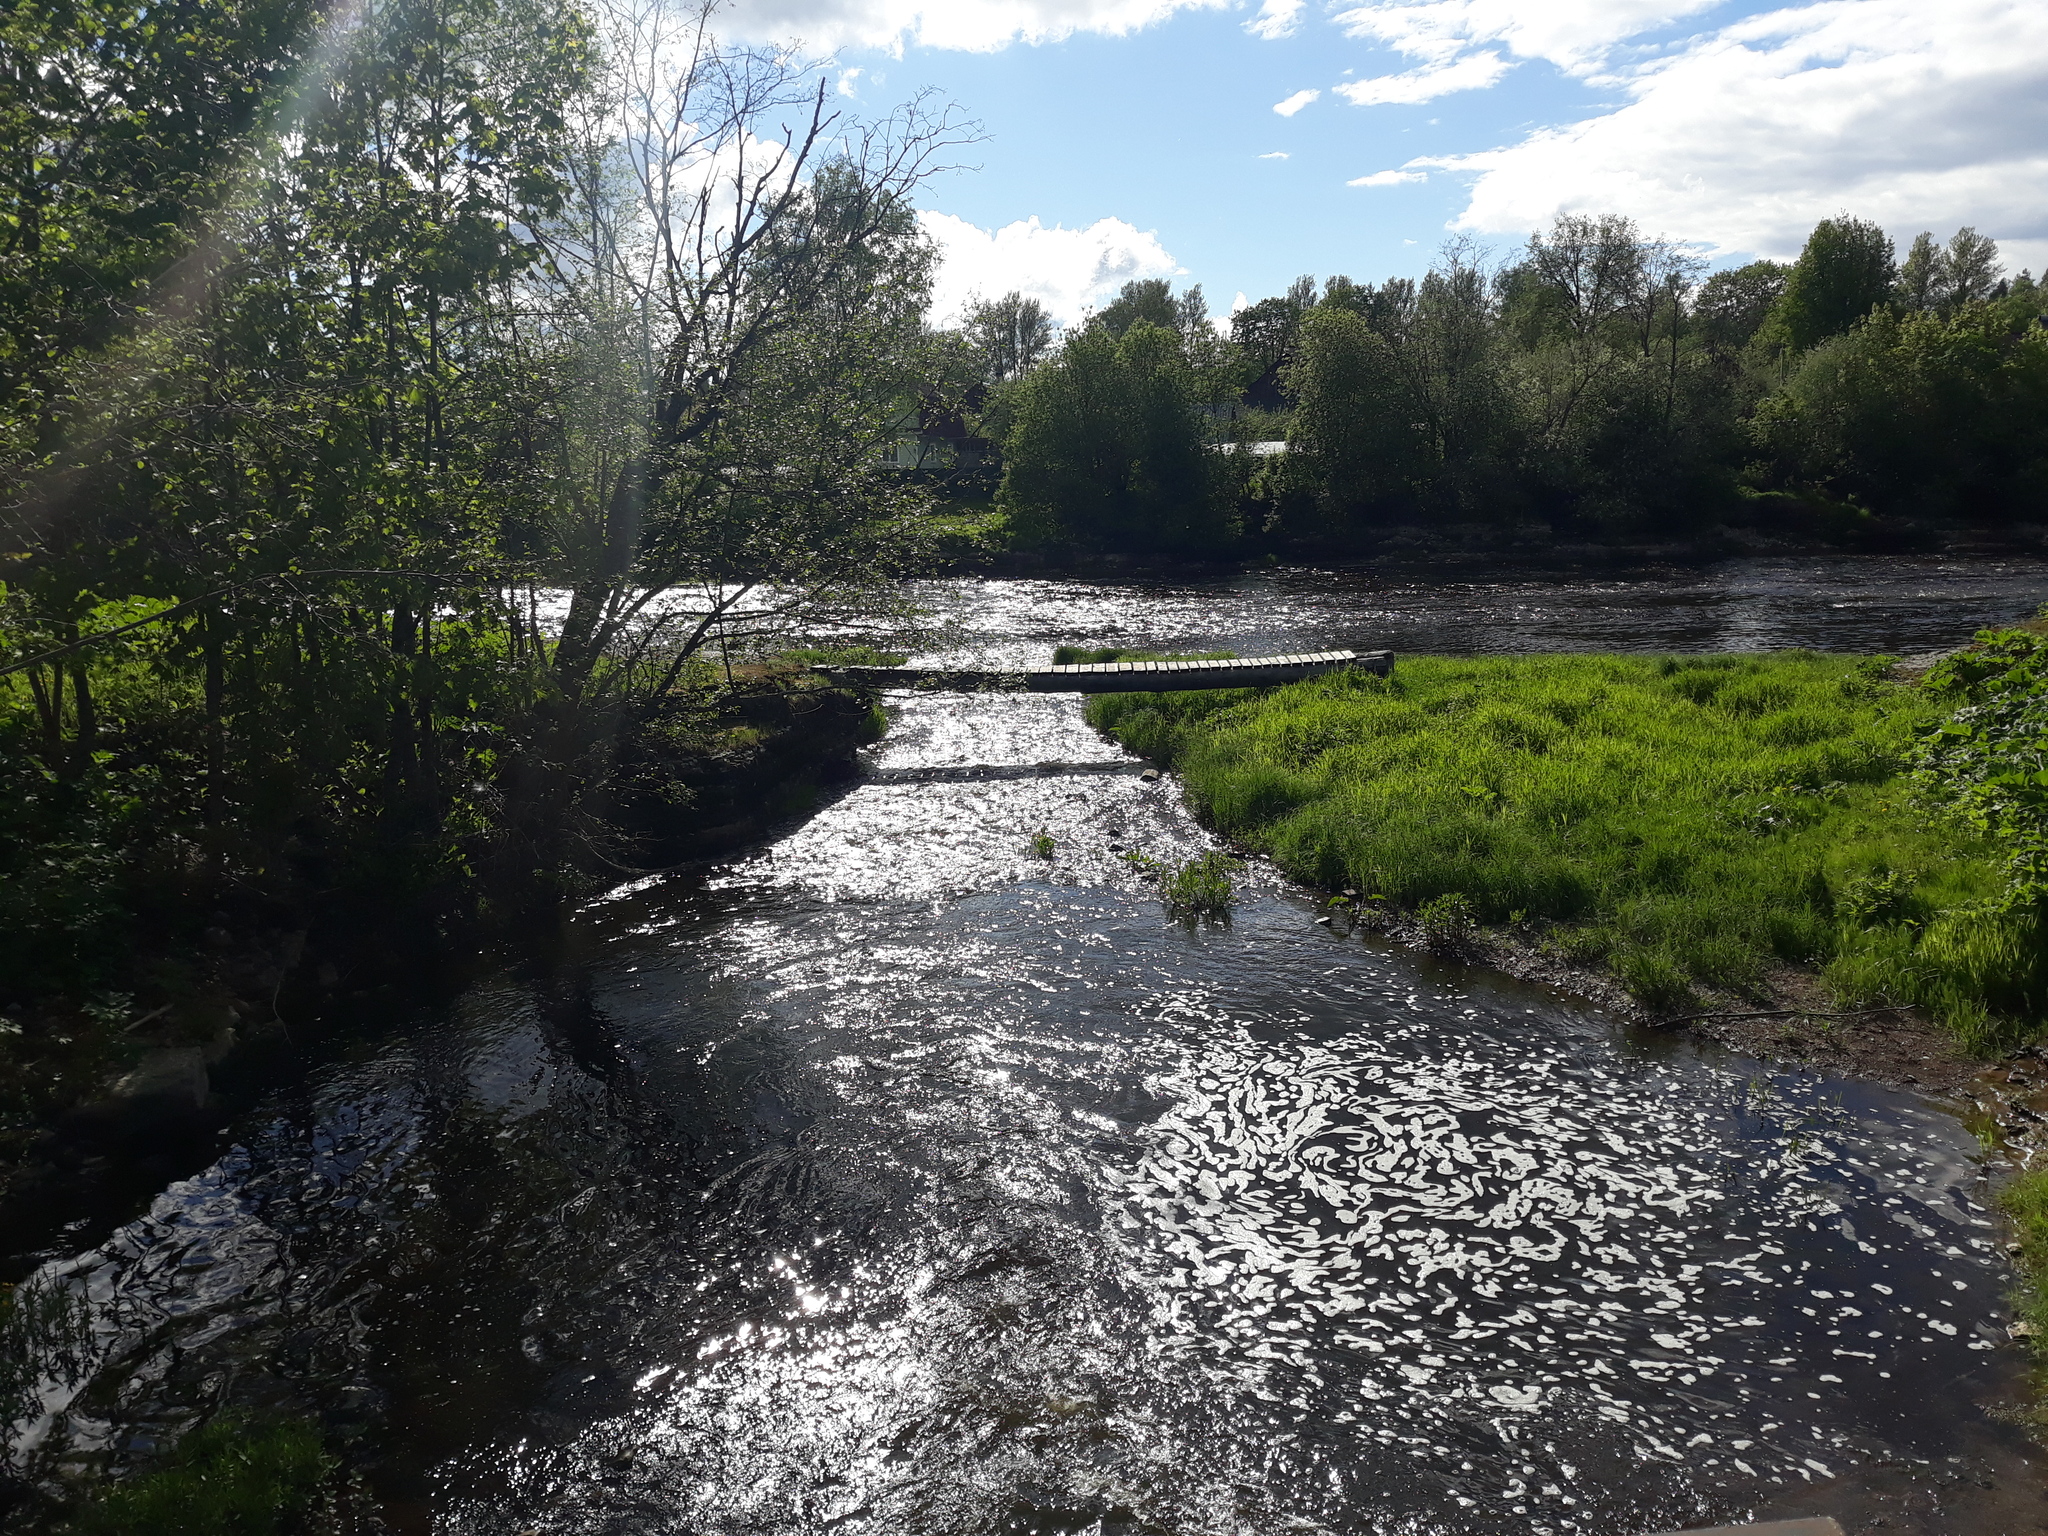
(1846, 270)
(1919, 413)
(489, 304)
(779, 282)
(1923, 276)
(1970, 268)
(1732, 306)
(1142, 298)
(1011, 334)
(1584, 272)
(1355, 441)
(1934, 278)
(122, 129)
(286, 444)
(1385, 307)
(1105, 448)
(1408, 399)
(1264, 332)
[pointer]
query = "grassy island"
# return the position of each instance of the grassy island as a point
(1691, 822)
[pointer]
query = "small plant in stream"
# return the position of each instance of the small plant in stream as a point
(1202, 885)
(1042, 844)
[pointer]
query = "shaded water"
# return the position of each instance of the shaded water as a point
(894, 1180)
(1896, 605)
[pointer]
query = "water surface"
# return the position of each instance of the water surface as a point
(892, 1179)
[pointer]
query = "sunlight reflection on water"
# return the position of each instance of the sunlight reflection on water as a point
(896, 1180)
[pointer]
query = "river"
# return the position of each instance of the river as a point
(889, 1179)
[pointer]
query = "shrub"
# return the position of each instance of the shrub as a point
(1448, 927)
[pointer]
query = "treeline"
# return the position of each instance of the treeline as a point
(408, 415)
(1598, 383)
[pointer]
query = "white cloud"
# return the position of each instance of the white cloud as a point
(1575, 35)
(1278, 154)
(847, 77)
(1295, 103)
(1915, 115)
(979, 26)
(1474, 72)
(1069, 271)
(1276, 19)
(1388, 179)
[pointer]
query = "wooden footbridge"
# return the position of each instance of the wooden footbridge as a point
(1119, 676)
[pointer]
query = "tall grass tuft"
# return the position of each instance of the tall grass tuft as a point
(1684, 821)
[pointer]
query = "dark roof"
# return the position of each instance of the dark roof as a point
(1264, 392)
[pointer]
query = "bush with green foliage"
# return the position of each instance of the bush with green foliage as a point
(1925, 412)
(1681, 820)
(1982, 964)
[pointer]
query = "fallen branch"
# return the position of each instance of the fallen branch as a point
(149, 1017)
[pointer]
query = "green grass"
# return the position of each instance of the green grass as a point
(230, 1478)
(2026, 1203)
(1683, 821)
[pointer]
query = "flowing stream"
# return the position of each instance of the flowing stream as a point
(891, 1179)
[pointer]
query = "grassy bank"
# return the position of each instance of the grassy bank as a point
(1691, 823)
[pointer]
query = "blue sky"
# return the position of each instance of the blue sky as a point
(1132, 132)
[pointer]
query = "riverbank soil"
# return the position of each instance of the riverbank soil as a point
(1789, 1017)
(1992, 1488)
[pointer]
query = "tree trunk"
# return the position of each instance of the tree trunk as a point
(216, 733)
(88, 718)
(401, 765)
(423, 702)
(50, 711)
